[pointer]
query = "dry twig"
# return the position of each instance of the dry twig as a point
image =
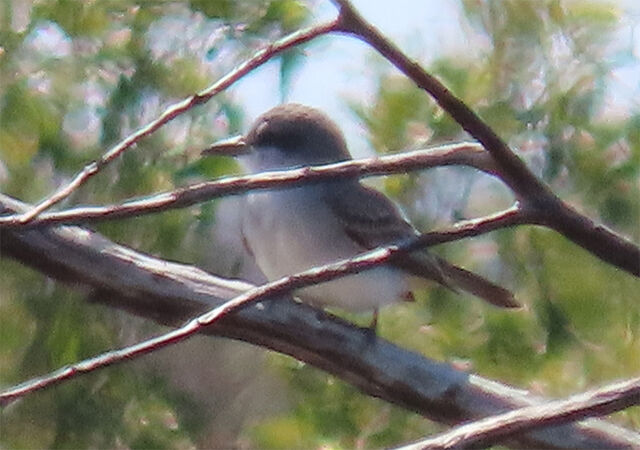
(492, 430)
(169, 114)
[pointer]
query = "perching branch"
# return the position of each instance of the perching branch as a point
(171, 113)
(171, 293)
(493, 430)
(270, 290)
(539, 205)
(274, 289)
(531, 191)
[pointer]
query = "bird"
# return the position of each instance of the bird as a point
(296, 228)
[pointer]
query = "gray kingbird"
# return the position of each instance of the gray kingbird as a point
(293, 229)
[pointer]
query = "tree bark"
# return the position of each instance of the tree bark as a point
(170, 293)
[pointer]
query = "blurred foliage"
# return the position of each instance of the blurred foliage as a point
(76, 77)
(329, 413)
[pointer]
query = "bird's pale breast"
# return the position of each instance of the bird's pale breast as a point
(292, 230)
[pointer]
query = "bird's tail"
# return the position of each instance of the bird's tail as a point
(477, 285)
(454, 277)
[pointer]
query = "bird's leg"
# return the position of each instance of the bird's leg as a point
(373, 326)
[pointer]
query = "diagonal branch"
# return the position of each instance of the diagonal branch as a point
(171, 293)
(269, 290)
(171, 113)
(531, 191)
(492, 430)
(456, 154)
(266, 291)
(515, 172)
(475, 227)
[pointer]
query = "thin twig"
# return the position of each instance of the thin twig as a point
(516, 215)
(461, 154)
(269, 290)
(600, 241)
(492, 430)
(171, 113)
(516, 174)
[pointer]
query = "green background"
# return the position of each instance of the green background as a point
(540, 75)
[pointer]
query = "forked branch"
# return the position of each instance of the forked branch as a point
(559, 216)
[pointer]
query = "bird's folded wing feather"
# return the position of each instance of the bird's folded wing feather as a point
(368, 216)
(370, 219)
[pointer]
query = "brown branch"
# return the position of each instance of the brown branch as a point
(603, 242)
(455, 154)
(474, 227)
(600, 241)
(493, 430)
(515, 172)
(272, 289)
(171, 113)
(172, 293)
(266, 291)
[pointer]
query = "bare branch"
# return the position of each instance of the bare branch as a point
(540, 206)
(492, 430)
(172, 293)
(455, 154)
(515, 172)
(273, 289)
(475, 227)
(266, 291)
(600, 241)
(467, 154)
(171, 113)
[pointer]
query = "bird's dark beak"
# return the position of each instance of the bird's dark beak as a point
(234, 146)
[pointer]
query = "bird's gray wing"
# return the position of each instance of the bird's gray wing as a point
(371, 219)
(368, 217)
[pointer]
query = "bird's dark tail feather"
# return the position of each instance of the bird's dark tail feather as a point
(477, 285)
(454, 277)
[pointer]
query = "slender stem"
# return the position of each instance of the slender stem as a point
(273, 289)
(492, 430)
(467, 154)
(269, 290)
(169, 114)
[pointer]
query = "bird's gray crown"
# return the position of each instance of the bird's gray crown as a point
(302, 132)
